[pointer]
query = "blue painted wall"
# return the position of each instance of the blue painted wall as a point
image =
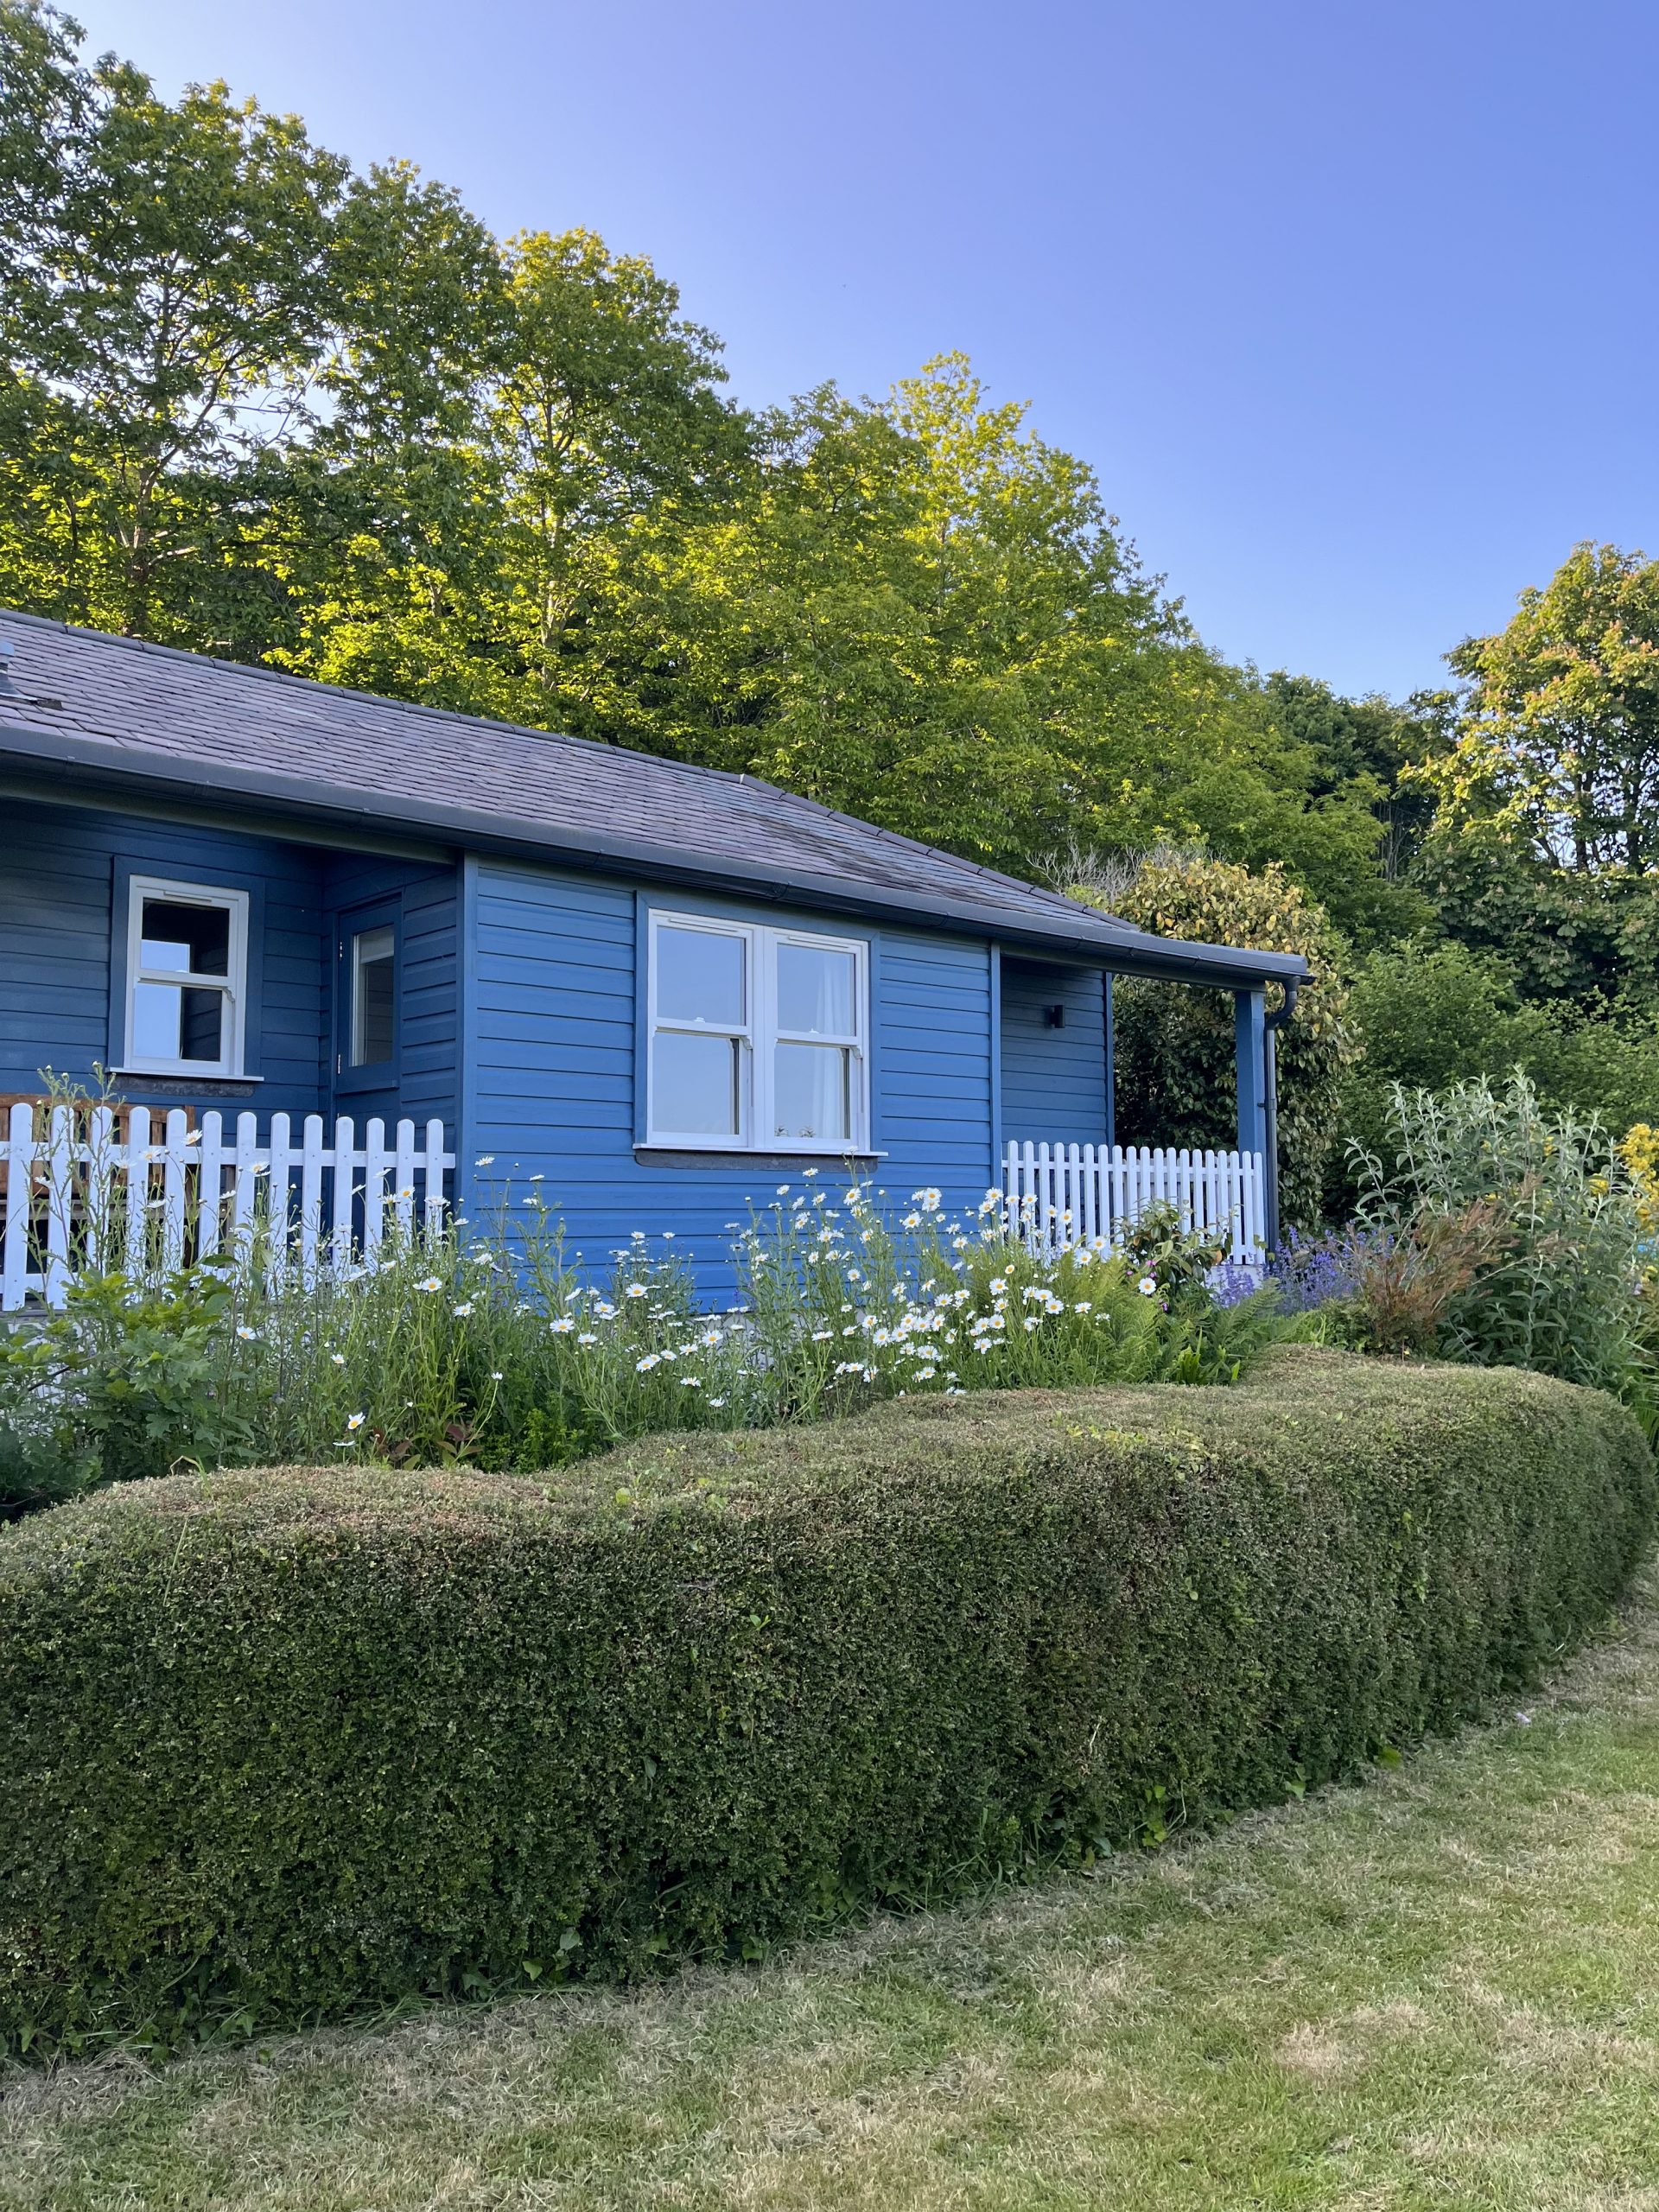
(58, 928)
(1054, 1080)
(520, 1021)
(553, 1044)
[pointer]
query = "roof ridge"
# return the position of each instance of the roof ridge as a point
(601, 747)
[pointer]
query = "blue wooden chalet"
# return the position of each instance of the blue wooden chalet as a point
(659, 988)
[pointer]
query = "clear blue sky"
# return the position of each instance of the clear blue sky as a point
(1352, 304)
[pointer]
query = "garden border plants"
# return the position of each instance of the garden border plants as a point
(281, 1746)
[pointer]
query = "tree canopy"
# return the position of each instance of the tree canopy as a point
(257, 403)
(1558, 748)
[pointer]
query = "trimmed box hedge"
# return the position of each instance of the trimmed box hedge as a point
(285, 1744)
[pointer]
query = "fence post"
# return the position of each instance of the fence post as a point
(210, 1164)
(345, 1169)
(20, 1187)
(376, 1161)
(311, 1159)
(174, 1187)
(282, 1165)
(434, 1157)
(60, 1203)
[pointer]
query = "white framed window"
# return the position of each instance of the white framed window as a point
(373, 1022)
(758, 1038)
(186, 978)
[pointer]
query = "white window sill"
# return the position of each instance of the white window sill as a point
(756, 1155)
(185, 1075)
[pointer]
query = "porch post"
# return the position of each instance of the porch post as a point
(1111, 1060)
(1250, 1045)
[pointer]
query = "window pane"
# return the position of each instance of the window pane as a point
(814, 1093)
(194, 940)
(373, 995)
(694, 1086)
(173, 1023)
(816, 989)
(202, 1024)
(155, 1012)
(699, 977)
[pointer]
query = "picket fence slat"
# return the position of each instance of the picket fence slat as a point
(79, 1192)
(1055, 1195)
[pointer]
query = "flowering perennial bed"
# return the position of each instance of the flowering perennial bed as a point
(490, 1345)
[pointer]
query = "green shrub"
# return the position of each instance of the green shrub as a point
(281, 1745)
(1429, 1016)
(1514, 1232)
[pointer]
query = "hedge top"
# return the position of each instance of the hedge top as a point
(1300, 1404)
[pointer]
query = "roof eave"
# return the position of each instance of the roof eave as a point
(57, 757)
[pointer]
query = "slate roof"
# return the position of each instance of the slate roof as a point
(120, 712)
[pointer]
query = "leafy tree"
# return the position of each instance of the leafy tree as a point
(919, 612)
(605, 412)
(1558, 750)
(1588, 941)
(501, 435)
(163, 296)
(1369, 747)
(1175, 1048)
(387, 533)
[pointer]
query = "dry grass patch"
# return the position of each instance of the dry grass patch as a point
(1434, 1992)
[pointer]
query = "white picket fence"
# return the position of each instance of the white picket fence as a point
(102, 1191)
(1063, 1194)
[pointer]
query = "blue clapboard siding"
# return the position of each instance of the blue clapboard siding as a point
(57, 875)
(552, 1039)
(57, 991)
(1054, 1080)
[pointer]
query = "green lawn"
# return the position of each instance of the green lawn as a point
(1440, 1990)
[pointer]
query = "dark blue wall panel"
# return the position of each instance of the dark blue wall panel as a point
(58, 927)
(428, 903)
(1054, 1080)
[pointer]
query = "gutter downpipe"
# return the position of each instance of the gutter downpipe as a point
(1273, 1023)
